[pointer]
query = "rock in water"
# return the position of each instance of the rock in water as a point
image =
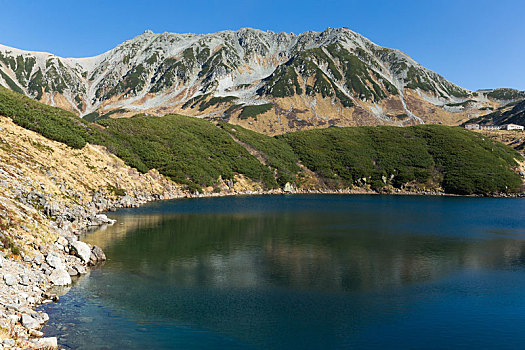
(97, 255)
(60, 278)
(29, 322)
(103, 219)
(80, 269)
(81, 250)
(72, 271)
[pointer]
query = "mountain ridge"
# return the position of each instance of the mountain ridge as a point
(308, 80)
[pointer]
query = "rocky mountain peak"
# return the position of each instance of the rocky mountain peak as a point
(335, 77)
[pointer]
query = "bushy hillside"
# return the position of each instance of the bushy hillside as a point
(51, 122)
(191, 151)
(460, 161)
(196, 152)
(275, 152)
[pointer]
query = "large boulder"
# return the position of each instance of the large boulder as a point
(29, 322)
(97, 255)
(103, 219)
(81, 250)
(60, 278)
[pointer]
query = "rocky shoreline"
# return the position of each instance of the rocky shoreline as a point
(26, 281)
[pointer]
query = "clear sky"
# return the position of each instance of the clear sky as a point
(474, 43)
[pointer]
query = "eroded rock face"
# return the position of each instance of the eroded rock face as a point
(279, 64)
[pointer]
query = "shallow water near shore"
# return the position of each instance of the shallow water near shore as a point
(303, 271)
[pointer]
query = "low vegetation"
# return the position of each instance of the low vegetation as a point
(506, 94)
(53, 123)
(277, 154)
(460, 161)
(254, 111)
(189, 150)
(197, 153)
(215, 101)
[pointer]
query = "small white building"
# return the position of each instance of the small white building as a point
(472, 126)
(512, 127)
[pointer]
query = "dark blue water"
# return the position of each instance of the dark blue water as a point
(304, 271)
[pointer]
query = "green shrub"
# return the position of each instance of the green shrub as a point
(51, 122)
(506, 94)
(215, 101)
(254, 111)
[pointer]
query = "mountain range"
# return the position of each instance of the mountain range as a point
(268, 82)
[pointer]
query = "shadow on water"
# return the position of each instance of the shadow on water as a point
(295, 271)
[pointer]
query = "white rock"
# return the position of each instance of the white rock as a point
(46, 343)
(35, 333)
(38, 260)
(12, 319)
(55, 262)
(60, 278)
(81, 250)
(9, 279)
(8, 342)
(104, 219)
(29, 322)
(24, 280)
(62, 241)
(80, 269)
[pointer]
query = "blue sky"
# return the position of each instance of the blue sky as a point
(475, 44)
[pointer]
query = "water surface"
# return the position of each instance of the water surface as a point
(304, 271)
